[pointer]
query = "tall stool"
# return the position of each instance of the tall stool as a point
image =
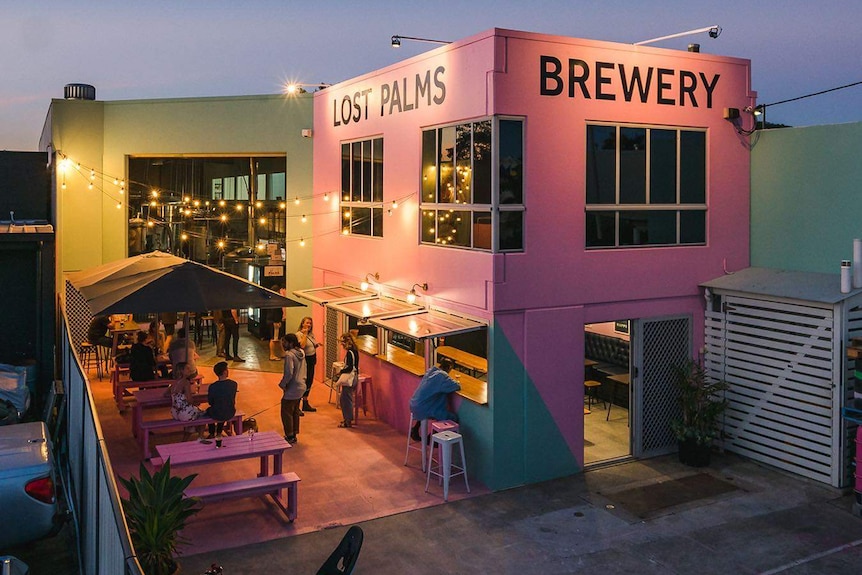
(423, 442)
(446, 440)
(364, 389)
(591, 387)
(87, 354)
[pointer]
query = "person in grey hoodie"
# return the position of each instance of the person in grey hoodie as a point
(293, 385)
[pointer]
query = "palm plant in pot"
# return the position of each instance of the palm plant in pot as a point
(156, 512)
(702, 404)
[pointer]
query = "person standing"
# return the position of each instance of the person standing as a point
(293, 386)
(348, 383)
(309, 345)
(218, 316)
(230, 319)
(222, 398)
(181, 350)
(275, 317)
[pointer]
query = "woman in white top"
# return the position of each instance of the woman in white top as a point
(309, 345)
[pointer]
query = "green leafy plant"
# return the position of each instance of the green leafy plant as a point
(701, 401)
(156, 512)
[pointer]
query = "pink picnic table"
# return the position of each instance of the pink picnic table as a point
(155, 397)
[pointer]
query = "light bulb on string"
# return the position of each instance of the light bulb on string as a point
(222, 203)
(304, 219)
(282, 205)
(262, 221)
(239, 207)
(92, 174)
(296, 201)
(258, 204)
(301, 242)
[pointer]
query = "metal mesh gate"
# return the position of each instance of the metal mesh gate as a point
(330, 335)
(661, 345)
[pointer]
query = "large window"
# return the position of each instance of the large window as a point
(646, 186)
(362, 187)
(463, 204)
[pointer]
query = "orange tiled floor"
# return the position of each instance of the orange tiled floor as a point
(348, 475)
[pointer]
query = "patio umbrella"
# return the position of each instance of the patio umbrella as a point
(158, 282)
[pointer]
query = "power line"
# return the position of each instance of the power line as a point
(810, 95)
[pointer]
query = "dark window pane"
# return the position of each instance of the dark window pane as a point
(366, 171)
(662, 177)
(429, 165)
(377, 224)
(600, 229)
(356, 161)
(360, 221)
(482, 162)
(601, 164)
(692, 167)
(632, 165)
(446, 164)
(377, 177)
(345, 171)
(429, 226)
(463, 164)
(482, 230)
(692, 227)
(511, 162)
(647, 228)
(511, 231)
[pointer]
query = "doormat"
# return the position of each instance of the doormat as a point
(650, 500)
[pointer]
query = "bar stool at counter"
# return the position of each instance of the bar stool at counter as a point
(423, 433)
(446, 440)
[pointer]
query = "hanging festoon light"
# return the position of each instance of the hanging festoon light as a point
(303, 219)
(301, 242)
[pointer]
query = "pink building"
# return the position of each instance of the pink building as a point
(561, 199)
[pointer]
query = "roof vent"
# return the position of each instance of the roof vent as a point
(79, 92)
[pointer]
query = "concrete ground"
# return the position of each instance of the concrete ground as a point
(771, 523)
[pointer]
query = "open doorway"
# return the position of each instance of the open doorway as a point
(607, 391)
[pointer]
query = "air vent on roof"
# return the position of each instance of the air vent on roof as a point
(79, 92)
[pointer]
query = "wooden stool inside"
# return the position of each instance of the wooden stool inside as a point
(591, 388)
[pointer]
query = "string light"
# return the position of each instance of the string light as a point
(296, 201)
(304, 219)
(302, 242)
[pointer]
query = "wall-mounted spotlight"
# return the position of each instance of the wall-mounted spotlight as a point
(411, 297)
(396, 40)
(292, 88)
(375, 277)
(714, 31)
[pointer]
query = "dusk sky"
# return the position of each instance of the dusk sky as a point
(191, 48)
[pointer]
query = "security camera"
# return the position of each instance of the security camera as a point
(306, 133)
(714, 32)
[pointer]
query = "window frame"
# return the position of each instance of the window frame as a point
(477, 211)
(623, 211)
(362, 200)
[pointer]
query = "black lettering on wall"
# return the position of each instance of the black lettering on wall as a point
(546, 74)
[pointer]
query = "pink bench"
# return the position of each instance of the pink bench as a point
(267, 485)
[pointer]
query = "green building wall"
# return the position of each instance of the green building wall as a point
(806, 197)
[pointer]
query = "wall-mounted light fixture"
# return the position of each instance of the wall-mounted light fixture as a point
(292, 88)
(396, 40)
(714, 32)
(375, 277)
(411, 297)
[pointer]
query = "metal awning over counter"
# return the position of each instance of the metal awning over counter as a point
(428, 324)
(366, 309)
(328, 294)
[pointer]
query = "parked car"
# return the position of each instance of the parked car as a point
(28, 487)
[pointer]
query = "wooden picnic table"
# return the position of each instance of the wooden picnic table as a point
(477, 365)
(264, 445)
(155, 397)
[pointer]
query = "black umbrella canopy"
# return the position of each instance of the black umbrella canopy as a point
(158, 282)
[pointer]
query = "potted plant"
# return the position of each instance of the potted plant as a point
(702, 404)
(156, 512)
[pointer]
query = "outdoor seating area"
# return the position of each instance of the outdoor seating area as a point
(344, 476)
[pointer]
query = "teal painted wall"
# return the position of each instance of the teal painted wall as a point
(806, 187)
(528, 445)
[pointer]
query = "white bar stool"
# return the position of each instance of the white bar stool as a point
(445, 440)
(423, 443)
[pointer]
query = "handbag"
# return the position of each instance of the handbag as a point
(347, 379)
